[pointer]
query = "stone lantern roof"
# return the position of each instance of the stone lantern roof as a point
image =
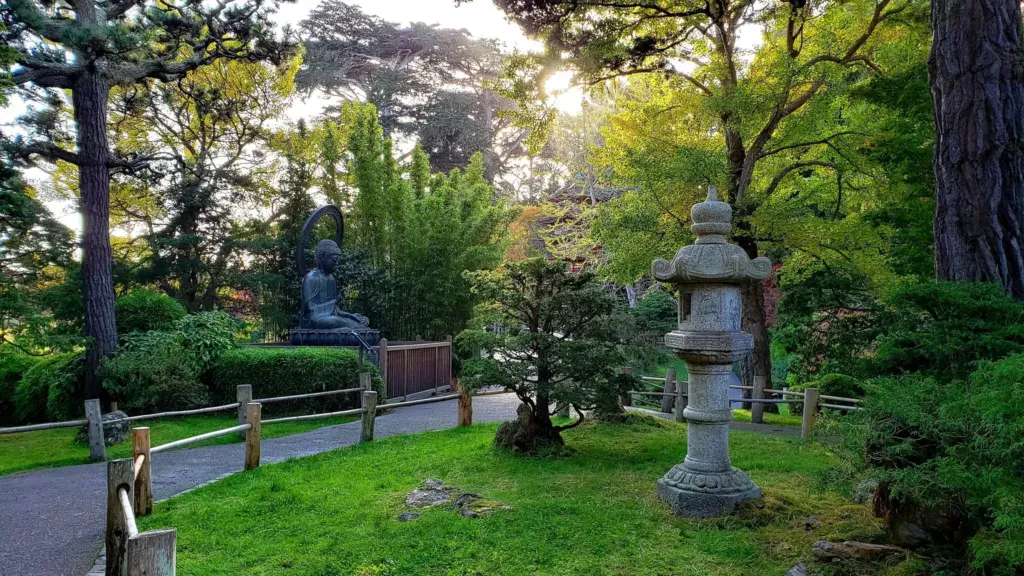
(710, 259)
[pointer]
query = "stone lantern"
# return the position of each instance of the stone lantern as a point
(708, 275)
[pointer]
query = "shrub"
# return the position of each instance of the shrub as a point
(208, 335)
(33, 390)
(143, 310)
(65, 397)
(153, 372)
(12, 367)
(949, 458)
(939, 329)
(944, 329)
(287, 371)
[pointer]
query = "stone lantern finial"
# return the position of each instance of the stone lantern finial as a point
(711, 219)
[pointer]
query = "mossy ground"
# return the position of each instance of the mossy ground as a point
(593, 512)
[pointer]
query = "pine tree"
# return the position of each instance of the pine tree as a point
(91, 46)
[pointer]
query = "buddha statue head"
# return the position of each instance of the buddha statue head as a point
(326, 255)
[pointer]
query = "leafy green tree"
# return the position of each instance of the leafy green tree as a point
(549, 336)
(33, 248)
(426, 82)
(754, 125)
(208, 135)
(88, 48)
(379, 208)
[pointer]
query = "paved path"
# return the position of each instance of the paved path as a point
(52, 520)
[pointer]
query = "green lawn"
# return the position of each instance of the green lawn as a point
(52, 448)
(595, 512)
(782, 419)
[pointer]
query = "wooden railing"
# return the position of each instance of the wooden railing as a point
(759, 397)
(130, 480)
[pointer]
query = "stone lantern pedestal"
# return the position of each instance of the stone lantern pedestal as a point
(708, 275)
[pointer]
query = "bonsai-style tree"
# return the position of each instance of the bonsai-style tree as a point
(550, 337)
(87, 47)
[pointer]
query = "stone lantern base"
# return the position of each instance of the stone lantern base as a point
(705, 494)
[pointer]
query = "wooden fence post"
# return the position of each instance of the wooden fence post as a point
(405, 374)
(144, 478)
(810, 412)
(682, 388)
(252, 436)
(382, 361)
(120, 474)
(626, 400)
(366, 381)
(465, 407)
(757, 408)
(670, 388)
(152, 553)
(370, 416)
(243, 395)
(97, 443)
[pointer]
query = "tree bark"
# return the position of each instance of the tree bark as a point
(531, 430)
(975, 72)
(89, 96)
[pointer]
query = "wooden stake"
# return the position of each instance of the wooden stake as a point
(370, 416)
(682, 388)
(252, 436)
(383, 362)
(810, 412)
(670, 388)
(97, 444)
(465, 407)
(120, 474)
(152, 553)
(243, 395)
(757, 408)
(143, 476)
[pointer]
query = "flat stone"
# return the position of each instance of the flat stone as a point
(432, 484)
(407, 516)
(113, 432)
(798, 570)
(428, 498)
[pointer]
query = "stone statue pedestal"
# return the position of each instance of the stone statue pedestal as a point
(706, 484)
(707, 275)
(335, 337)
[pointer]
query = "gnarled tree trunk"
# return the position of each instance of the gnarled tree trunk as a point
(89, 96)
(975, 70)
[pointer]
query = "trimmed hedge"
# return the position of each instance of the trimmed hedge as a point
(12, 368)
(288, 371)
(143, 310)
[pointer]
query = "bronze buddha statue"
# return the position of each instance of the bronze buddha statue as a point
(321, 321)
(320, 294)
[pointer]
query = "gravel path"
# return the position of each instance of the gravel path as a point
(52, 520)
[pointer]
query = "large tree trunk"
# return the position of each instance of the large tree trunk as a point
(975, 70)
(89, 96)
